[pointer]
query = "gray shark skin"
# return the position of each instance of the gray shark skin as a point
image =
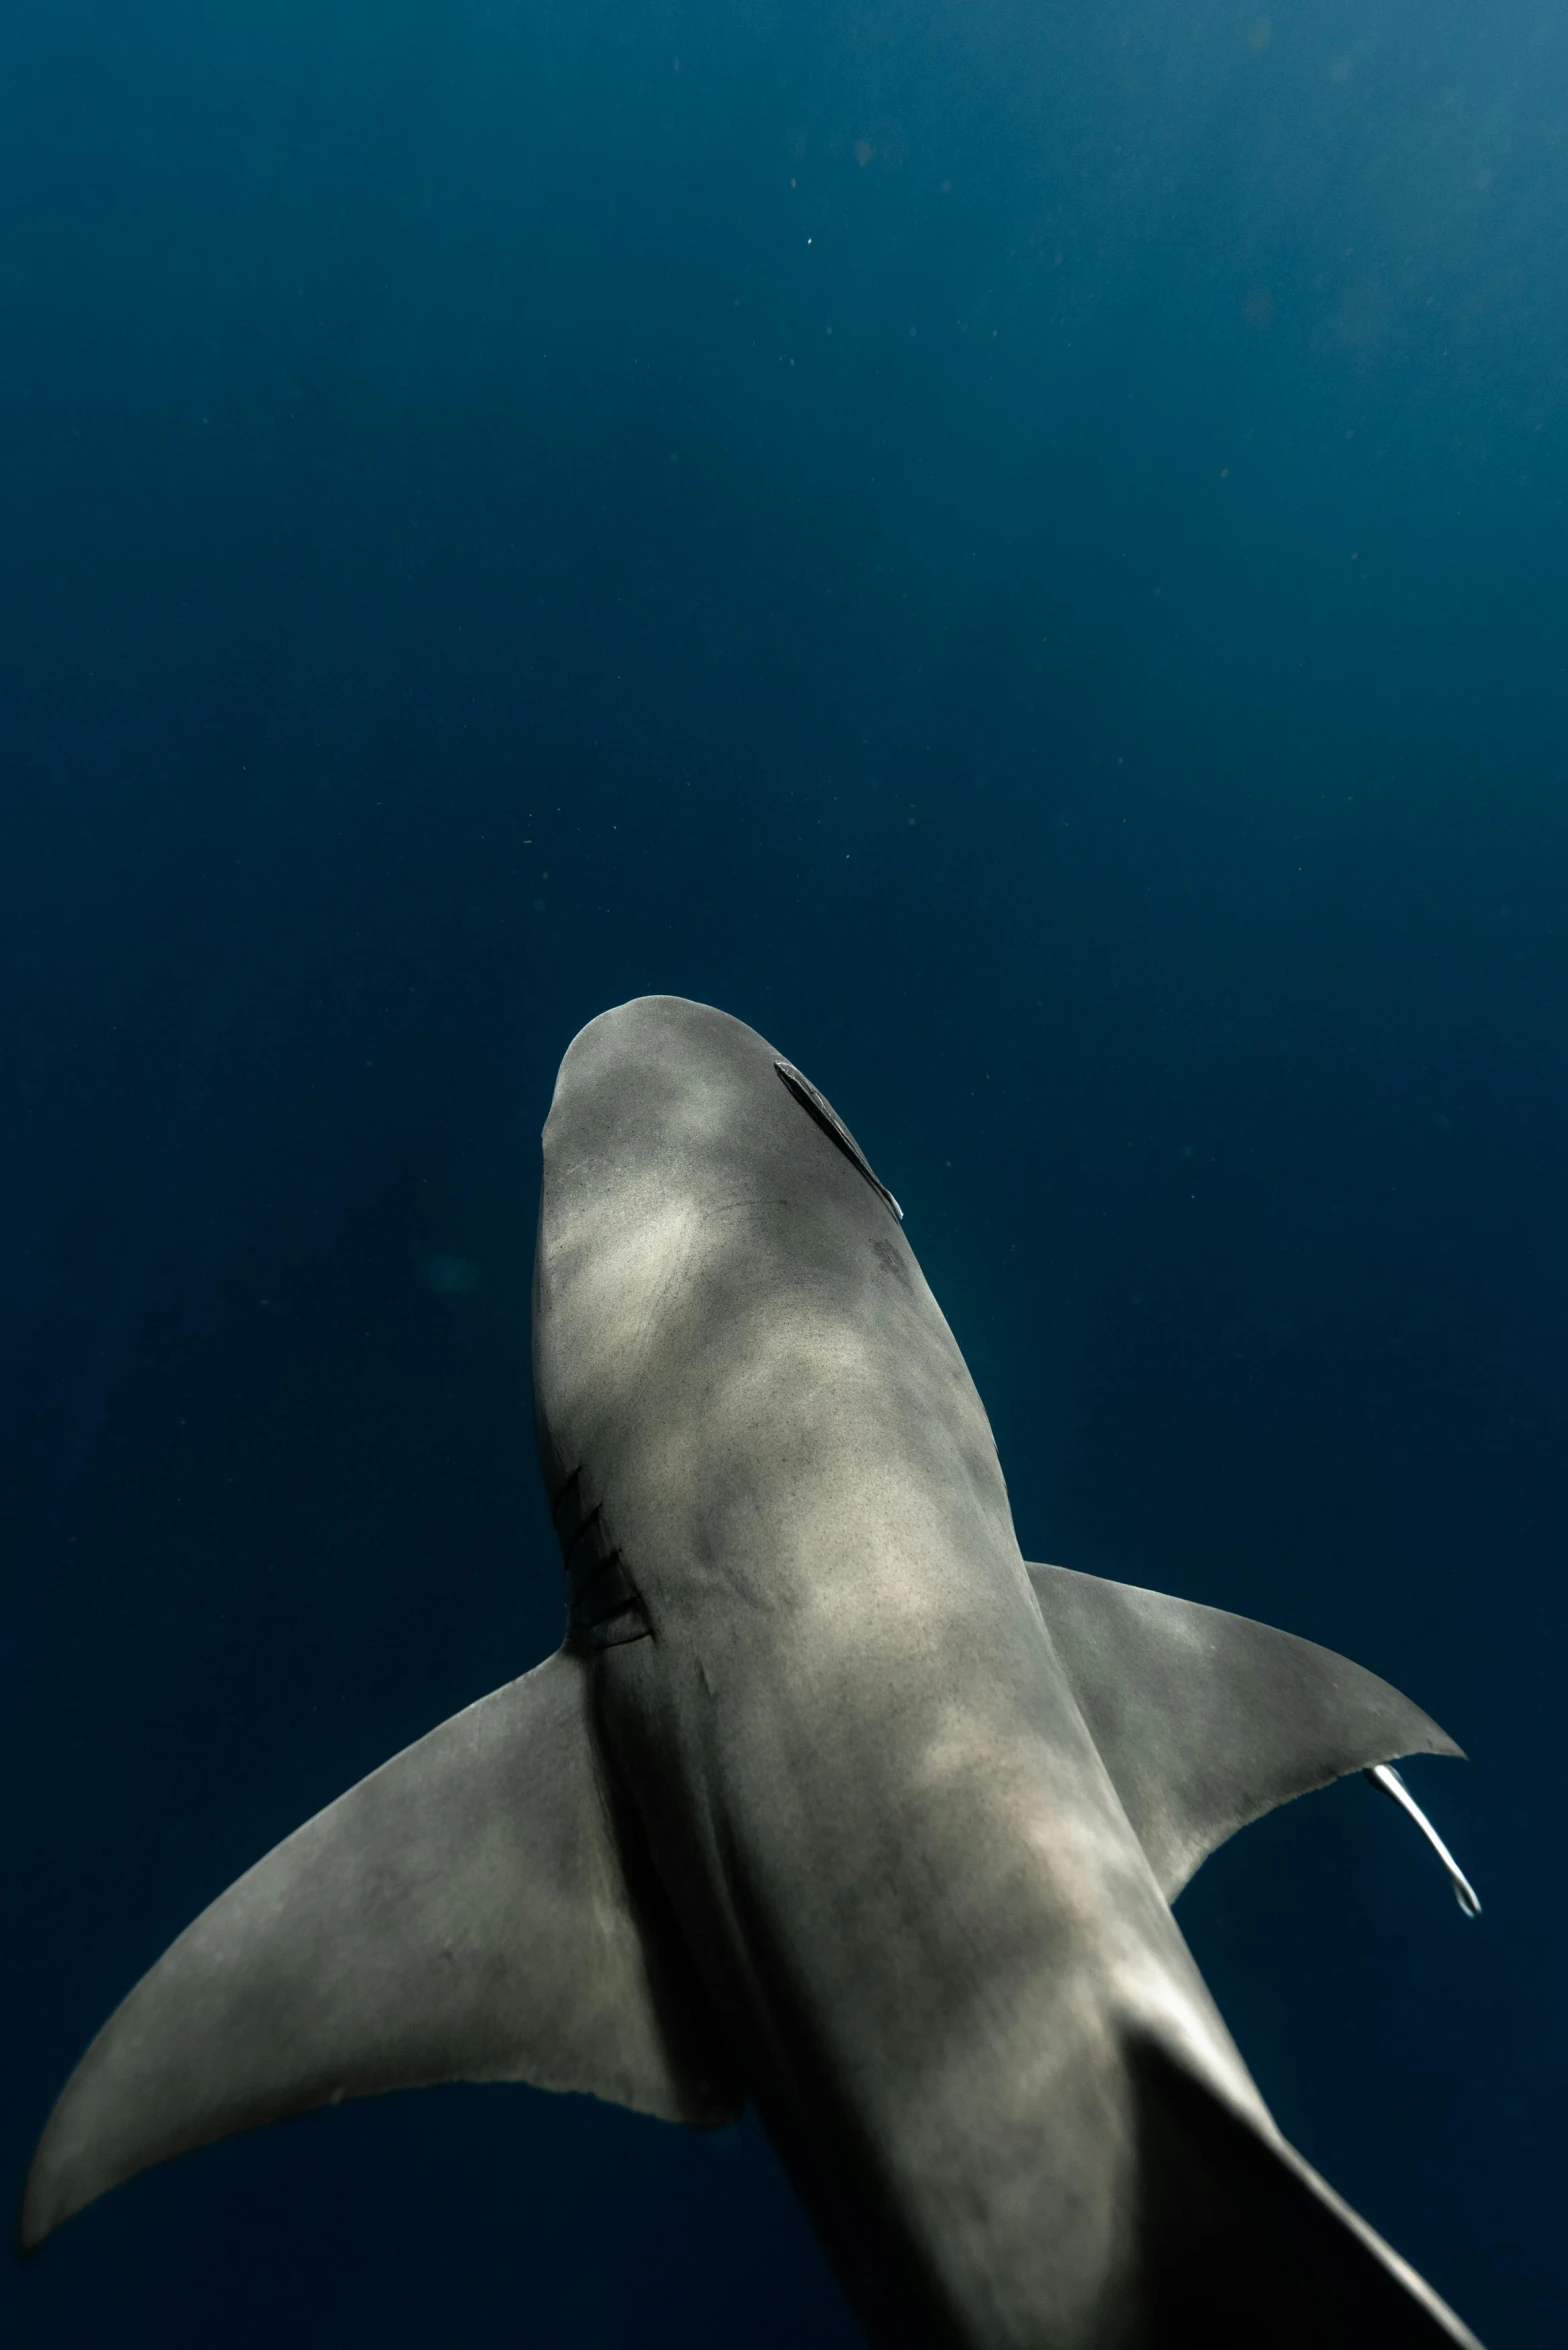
(829, 1799)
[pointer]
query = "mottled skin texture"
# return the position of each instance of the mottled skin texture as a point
(935, 1943)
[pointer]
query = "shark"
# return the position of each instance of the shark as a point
(829, 1800)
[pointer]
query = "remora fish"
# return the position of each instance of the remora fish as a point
(828, 1799)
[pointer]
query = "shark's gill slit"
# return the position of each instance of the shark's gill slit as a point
(1384, 1776)
(558, 1498)
(584, 1528)
(604, 1603)
(817, 1106)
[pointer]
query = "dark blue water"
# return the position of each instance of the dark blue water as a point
(1020, 550)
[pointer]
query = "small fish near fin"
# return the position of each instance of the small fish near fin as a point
(463, 1914)
(1207, 1720)
(1387, 1780)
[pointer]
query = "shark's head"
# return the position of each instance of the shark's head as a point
(681, 1096)
(711, 1239)
(675, 1128)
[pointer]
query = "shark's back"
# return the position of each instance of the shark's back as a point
(937, 1944)
(827, 1799)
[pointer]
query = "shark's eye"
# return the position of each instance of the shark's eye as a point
(818, 1107)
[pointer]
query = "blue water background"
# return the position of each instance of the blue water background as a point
(1020, 549)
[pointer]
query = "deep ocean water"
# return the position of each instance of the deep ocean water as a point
(1017, 548)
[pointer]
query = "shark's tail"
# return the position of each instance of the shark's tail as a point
(1243, 2245)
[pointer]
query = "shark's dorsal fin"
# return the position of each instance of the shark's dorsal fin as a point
(463, 1914)
(1206, 1720)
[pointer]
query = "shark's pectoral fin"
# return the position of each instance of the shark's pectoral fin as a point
(1207, 1720)
(464, 1914)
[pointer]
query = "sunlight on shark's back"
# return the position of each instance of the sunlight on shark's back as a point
(828, 1800)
